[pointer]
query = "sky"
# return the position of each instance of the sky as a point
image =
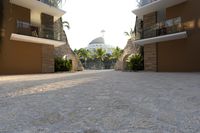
(88, 18)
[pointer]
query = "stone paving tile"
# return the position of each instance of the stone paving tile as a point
(100, 102)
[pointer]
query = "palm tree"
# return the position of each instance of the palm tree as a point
(100, 54)
(130, 34)
(66, 24)
(83, 54)
(76, 51)
(116, 53)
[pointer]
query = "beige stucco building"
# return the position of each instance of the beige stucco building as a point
(169, 30)
(31, 32)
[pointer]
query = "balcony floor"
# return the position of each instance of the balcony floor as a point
(31, 39)
(38, 7)
(162, 38)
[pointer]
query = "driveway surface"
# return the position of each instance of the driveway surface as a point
(100, 102)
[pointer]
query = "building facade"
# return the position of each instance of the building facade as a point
(169, 30)
(29, 37)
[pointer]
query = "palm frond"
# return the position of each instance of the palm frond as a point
(66, 24)
(126, 33)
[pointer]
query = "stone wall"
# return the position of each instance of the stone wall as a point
(58, 30)
(150, 57)
(130, 48)
(150, 50)
(98, 65)
(138, 28)
(47, 59)
(149, 20)
(65, 50)
(49, 53)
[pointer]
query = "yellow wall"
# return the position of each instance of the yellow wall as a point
(18, 57)
(182, 55)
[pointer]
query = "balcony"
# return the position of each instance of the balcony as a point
(142, 3)
(25, 32)
(148, 6)
(168, 30)
(54, 3)
(41, 6)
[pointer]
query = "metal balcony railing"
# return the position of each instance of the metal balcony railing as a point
(54, 3)
(144, 2)
(46, 32)
(162, 28)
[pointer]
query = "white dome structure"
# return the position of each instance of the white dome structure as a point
(99, 43)
(99, 40)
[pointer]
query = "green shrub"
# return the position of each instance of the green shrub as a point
(135, 62)
(62, 65)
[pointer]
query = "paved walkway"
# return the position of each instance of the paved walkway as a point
(100, 102)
